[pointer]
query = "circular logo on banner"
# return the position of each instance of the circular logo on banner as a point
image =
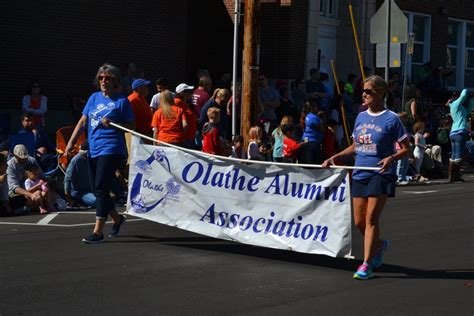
(138, 200)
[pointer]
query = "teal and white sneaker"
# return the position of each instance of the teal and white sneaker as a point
(376, 261)
(364, 272)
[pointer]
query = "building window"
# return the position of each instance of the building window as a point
(460, 54)
(420, 25)
(328, 8)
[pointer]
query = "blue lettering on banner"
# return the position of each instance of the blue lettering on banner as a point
(280, 228)
(150, 185)
(280, 185)
(197, 172)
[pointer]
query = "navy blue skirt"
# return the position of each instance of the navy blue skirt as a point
(374, 185)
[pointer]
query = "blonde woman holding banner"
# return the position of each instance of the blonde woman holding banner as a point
(375, 133)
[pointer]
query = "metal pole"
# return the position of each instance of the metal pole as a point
(387, 64)
(409, 52)
(234, 66)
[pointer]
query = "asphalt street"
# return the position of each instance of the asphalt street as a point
(153, 269)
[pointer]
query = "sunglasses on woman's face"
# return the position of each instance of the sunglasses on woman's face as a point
(106, 78)
(369, 91)
(35, 86)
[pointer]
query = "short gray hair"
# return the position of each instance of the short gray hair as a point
(113, 71)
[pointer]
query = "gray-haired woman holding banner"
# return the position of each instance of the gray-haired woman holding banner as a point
(375, 133)
(107, 149)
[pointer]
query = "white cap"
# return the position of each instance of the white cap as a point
(183, 87)
(20, 151)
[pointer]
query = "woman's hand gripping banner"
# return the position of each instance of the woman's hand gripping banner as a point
(291, 208)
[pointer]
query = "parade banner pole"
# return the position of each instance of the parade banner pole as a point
(343, 112)
(356, 39)
(242, 161)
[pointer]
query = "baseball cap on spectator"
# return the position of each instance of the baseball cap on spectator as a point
(183, 87)
(140, 82)
(20, 151)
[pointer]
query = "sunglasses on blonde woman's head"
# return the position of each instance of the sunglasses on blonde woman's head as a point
(106, 78)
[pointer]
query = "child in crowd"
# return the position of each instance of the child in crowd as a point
(420, 148)
(5, 208)
(278, 139)
(211, 142)
(34, 183)
(238, 147)
(290, 146)
(255, 139)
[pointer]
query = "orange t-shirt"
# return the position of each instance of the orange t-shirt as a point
(191, 118)
(170, 130)
(141, 110)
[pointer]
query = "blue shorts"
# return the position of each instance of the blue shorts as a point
(374, 185)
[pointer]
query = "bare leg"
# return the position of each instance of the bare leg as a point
(99, 226)
(115, 216)
(360, 211)
(371, 238)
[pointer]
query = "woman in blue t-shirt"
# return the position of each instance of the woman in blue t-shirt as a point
(375, 133)
(107, 149)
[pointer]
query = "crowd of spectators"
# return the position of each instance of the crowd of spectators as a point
(299, 121)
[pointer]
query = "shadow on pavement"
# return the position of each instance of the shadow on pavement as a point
(212, 244)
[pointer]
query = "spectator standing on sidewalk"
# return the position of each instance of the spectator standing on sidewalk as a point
(218, 100)
(140, 106)
(375, 132)
(459, 108)
(184, 93)
(161, 85)
(35, 103)
(200, 94)
(107, 150)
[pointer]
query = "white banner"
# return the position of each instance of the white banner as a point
(304, 210)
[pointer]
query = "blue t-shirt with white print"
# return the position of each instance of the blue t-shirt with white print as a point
(375, 136)
(107, 141)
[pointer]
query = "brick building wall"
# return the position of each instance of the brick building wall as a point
(283, 38)
(63, 43)
(209, 38)
(283, 32)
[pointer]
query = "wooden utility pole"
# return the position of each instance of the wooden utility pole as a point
(250, 66)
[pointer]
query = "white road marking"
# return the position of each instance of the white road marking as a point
(61, 225)
(430, 191)
(48, 218)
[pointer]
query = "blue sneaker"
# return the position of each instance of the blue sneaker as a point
(93, 239)
(376, 261)
(116, 227)
(364, 272)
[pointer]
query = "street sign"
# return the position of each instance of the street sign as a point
(398, 25)
(381, 55)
